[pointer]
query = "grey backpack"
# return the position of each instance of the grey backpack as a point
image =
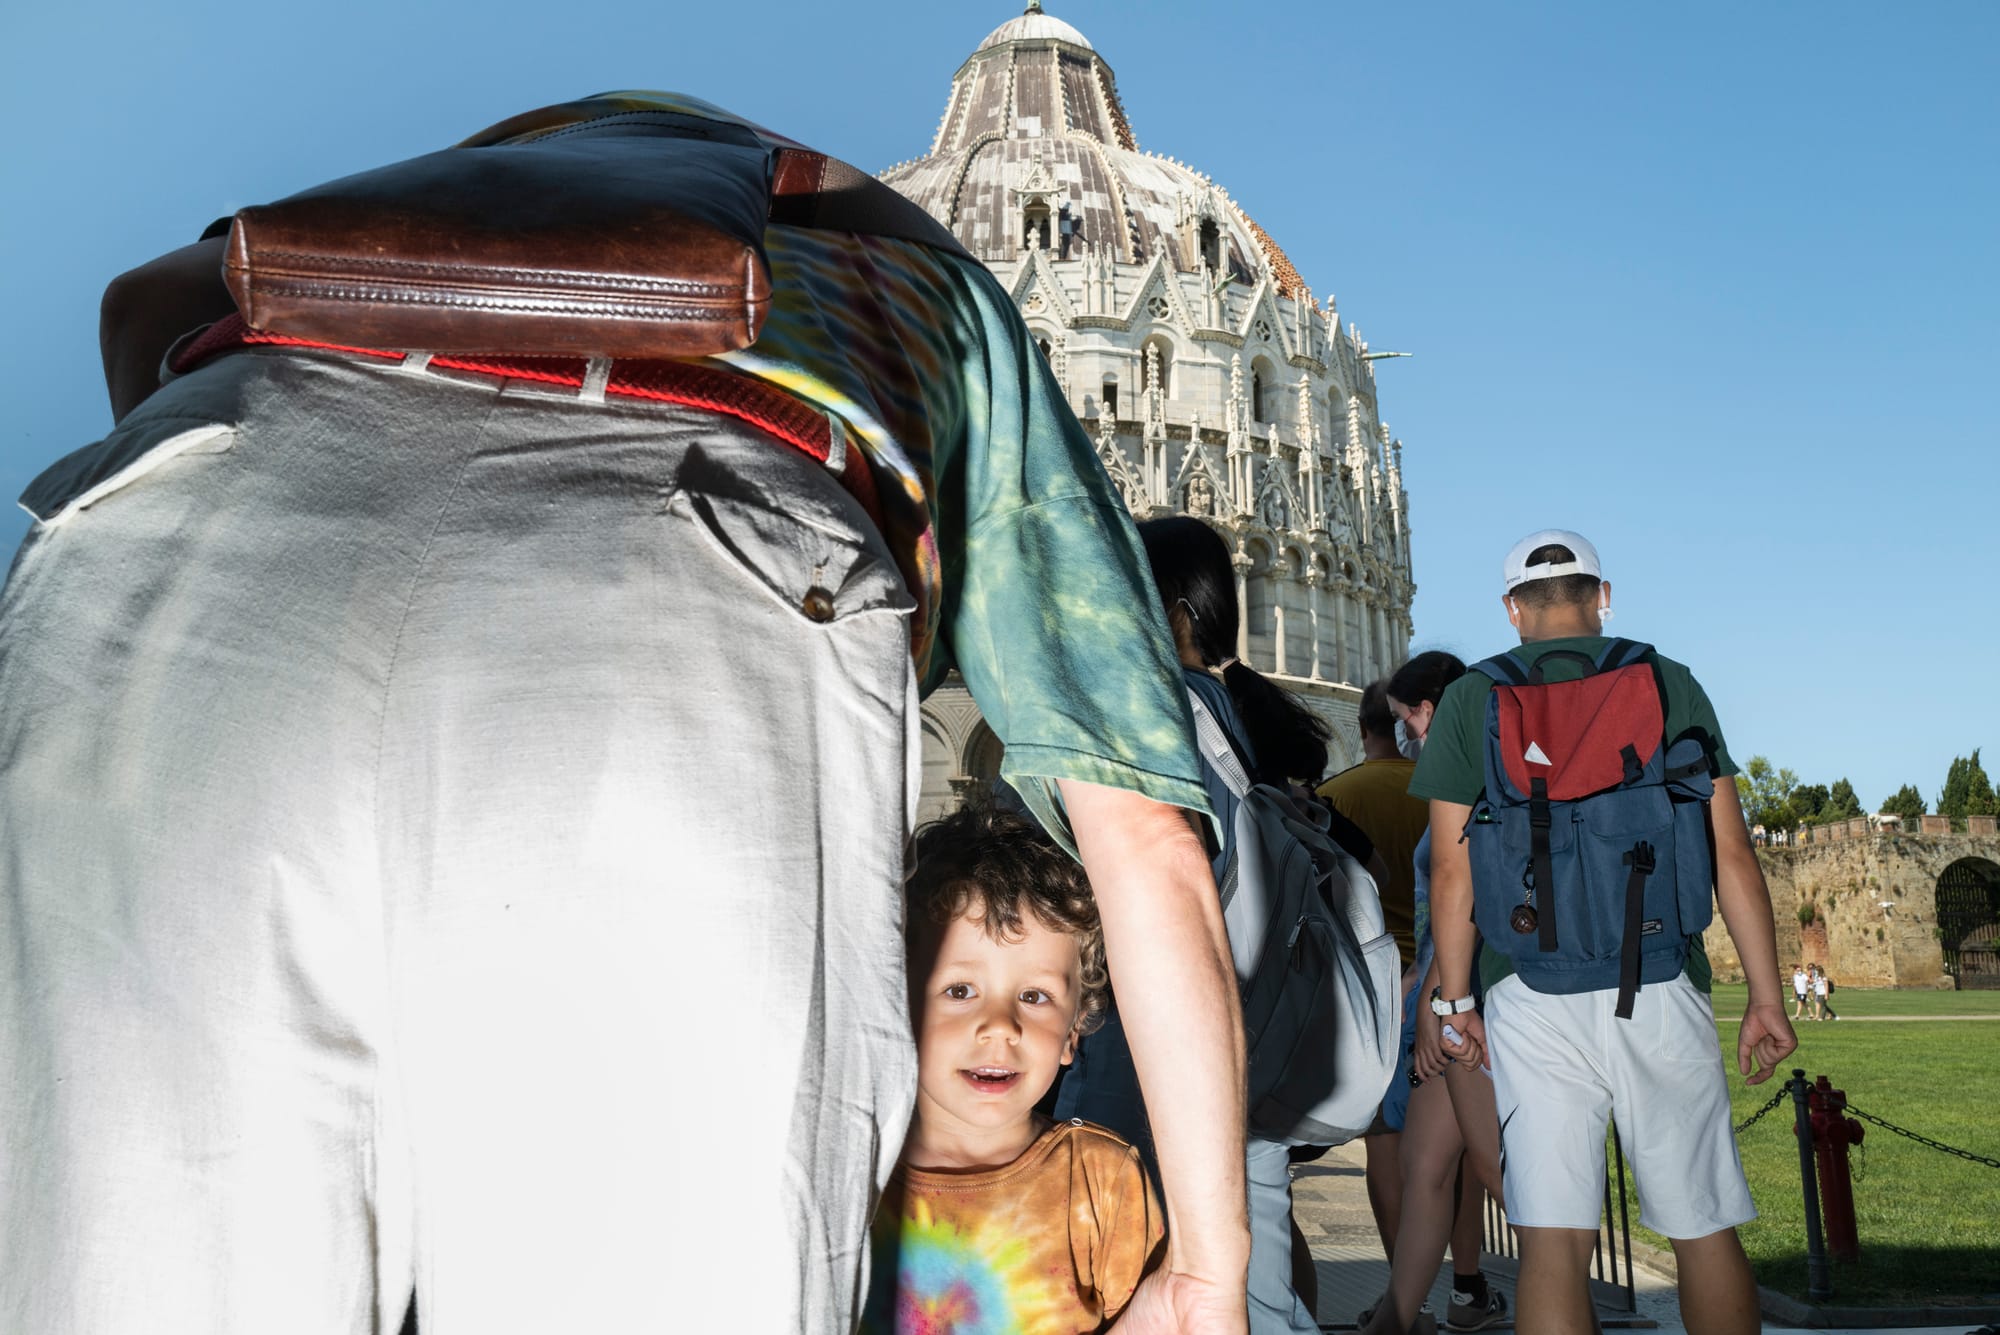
(1317, 971)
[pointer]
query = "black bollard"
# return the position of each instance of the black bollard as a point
(1819, 1279)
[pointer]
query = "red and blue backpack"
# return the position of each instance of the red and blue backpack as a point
(1592, 863)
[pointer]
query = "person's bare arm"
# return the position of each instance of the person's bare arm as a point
(147, 308)
(1176, 989)
(1451, 921)
(1765, 1037)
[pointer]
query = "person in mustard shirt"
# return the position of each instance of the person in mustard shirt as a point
(996, 1219)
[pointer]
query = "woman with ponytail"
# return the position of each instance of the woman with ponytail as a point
(1446, 1122)
(1282, 743)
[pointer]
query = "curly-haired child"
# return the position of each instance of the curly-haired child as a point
(996, 1219)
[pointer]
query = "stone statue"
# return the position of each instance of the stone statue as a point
(1200, 496)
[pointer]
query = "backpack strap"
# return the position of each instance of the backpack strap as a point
(1542, 862)
(1505, 669)
(1217, 749)
(1622, 653)
(1640, 859)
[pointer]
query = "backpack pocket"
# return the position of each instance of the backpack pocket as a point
(1635, 825)
(1502, 854)
(1690, 790)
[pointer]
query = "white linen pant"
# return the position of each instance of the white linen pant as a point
(438, 850)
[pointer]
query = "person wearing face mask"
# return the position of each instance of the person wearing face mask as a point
(1375, 795)
(1445, 1123)
(1280, 742)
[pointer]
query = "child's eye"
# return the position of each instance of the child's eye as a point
(959, 991)
(1034, 996)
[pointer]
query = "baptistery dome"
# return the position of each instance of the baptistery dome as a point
(1195, 354)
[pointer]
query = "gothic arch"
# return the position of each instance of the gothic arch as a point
(1263, 390)
(980, 760)
(1260, 605)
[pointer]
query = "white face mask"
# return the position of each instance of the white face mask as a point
(1407, 746)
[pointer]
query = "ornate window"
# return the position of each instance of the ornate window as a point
(1156, 306)
(1109, 401)
(1263, 331)
(1211, 246)
(1256, 396)
(1035, 227)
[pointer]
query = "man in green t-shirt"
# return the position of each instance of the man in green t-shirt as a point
(1562, 1065)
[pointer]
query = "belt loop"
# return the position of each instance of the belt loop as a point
(596, 375)
(836, 446)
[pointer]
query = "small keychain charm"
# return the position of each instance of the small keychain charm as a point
(1523, 919)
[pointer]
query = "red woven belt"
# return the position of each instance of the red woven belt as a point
(691, 384)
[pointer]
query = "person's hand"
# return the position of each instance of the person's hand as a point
(1470, 1050)
(1172, 1303)
(1428, 1057)
(1764, 1039)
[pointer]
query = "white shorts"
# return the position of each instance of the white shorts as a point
(1565, 1065)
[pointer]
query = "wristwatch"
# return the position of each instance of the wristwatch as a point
(1439, 1006)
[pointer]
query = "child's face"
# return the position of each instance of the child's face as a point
(994, 1021)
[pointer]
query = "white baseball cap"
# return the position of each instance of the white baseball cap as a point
(1517, 571)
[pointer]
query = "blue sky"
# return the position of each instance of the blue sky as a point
(1718, 285)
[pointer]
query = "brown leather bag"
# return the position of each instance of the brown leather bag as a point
(633, 234)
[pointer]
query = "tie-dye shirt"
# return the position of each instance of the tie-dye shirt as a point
(1053, 1243)
(1027, 570)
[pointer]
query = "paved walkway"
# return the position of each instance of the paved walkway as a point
(1330, 1201)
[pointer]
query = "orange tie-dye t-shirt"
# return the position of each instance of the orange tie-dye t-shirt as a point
(1054, 1242)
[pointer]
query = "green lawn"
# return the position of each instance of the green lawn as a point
(1929, 1223)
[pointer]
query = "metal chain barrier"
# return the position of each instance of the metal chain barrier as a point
(1920, 1139)
(1776, 1099)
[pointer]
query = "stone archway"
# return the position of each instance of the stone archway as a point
(979, 762)
(1968, 919)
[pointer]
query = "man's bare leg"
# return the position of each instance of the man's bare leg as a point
(1553, 1295)
(1718, 1291)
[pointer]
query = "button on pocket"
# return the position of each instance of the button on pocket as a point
(809, 567)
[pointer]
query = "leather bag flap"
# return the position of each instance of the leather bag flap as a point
(634, 235)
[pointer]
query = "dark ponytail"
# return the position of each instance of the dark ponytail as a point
(1425, 677)
(1191, 569)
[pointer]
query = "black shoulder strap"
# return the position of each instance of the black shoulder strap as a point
(810, 189)
(1503, 668)
(1622, 653)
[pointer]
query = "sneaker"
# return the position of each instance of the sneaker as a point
(1465, 1314)
(1425, 1324)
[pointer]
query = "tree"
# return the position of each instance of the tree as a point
(1907, 803)
(1766, 793)
(1841, 803)
(1808, 803)
(1967, 791)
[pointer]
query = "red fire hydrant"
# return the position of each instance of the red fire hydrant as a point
(1832, 1133)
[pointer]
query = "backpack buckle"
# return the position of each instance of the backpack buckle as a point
(1640, 859)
